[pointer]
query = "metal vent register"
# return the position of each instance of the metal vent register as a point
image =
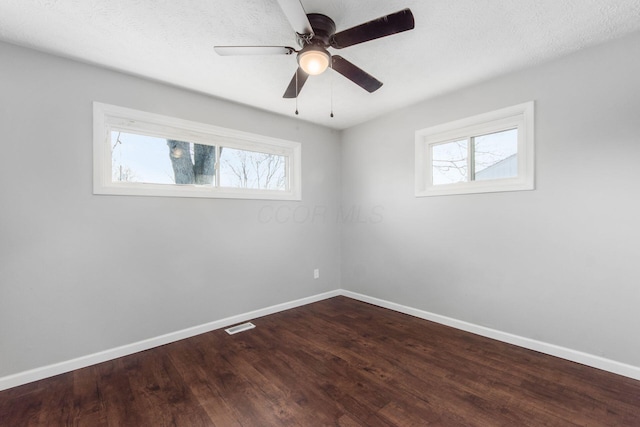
(240, 328)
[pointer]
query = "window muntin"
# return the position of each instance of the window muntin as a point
(139, 153)
(486, 153)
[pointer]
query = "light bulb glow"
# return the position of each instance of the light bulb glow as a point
(314, 61)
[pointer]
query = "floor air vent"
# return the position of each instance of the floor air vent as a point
(240, 328)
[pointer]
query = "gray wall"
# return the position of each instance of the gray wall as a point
(560, 264)
(81, 273)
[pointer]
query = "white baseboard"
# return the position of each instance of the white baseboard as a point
(125, 350)
(542, 347)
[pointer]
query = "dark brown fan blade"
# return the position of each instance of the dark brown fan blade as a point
(355, 74)
(291, 90)
(381, 27)
(253, 50)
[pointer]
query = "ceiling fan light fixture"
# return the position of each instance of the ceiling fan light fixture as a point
(314, 60)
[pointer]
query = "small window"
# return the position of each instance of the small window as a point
(139, 153)
(486, 153)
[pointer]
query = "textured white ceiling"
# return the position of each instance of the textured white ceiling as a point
(455, 43)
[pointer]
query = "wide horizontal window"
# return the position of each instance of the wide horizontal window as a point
(139, 153)
(486, 153)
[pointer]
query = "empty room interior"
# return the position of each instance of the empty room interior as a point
(415, 213)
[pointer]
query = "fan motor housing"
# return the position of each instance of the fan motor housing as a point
(323, 27)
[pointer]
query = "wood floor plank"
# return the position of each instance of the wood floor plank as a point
(337, 362)
(116, 394)
(88, 408)
(187, 359)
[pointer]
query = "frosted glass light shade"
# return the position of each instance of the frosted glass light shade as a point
(314, 61)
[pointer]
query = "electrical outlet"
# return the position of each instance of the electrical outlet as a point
(316, 273)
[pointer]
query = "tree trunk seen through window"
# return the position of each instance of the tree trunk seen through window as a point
(198, 170)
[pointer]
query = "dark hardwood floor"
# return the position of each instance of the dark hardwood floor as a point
(337, 362)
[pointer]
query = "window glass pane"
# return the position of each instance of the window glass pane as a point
(152, 160)
(496, 155)
(450, 162)
(252, 169)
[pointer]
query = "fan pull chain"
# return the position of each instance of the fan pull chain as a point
(331, 85)
(296, 92)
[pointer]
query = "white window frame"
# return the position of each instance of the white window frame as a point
(108, 118)
(518, 116)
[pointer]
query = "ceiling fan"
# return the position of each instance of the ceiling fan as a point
(316, 33)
